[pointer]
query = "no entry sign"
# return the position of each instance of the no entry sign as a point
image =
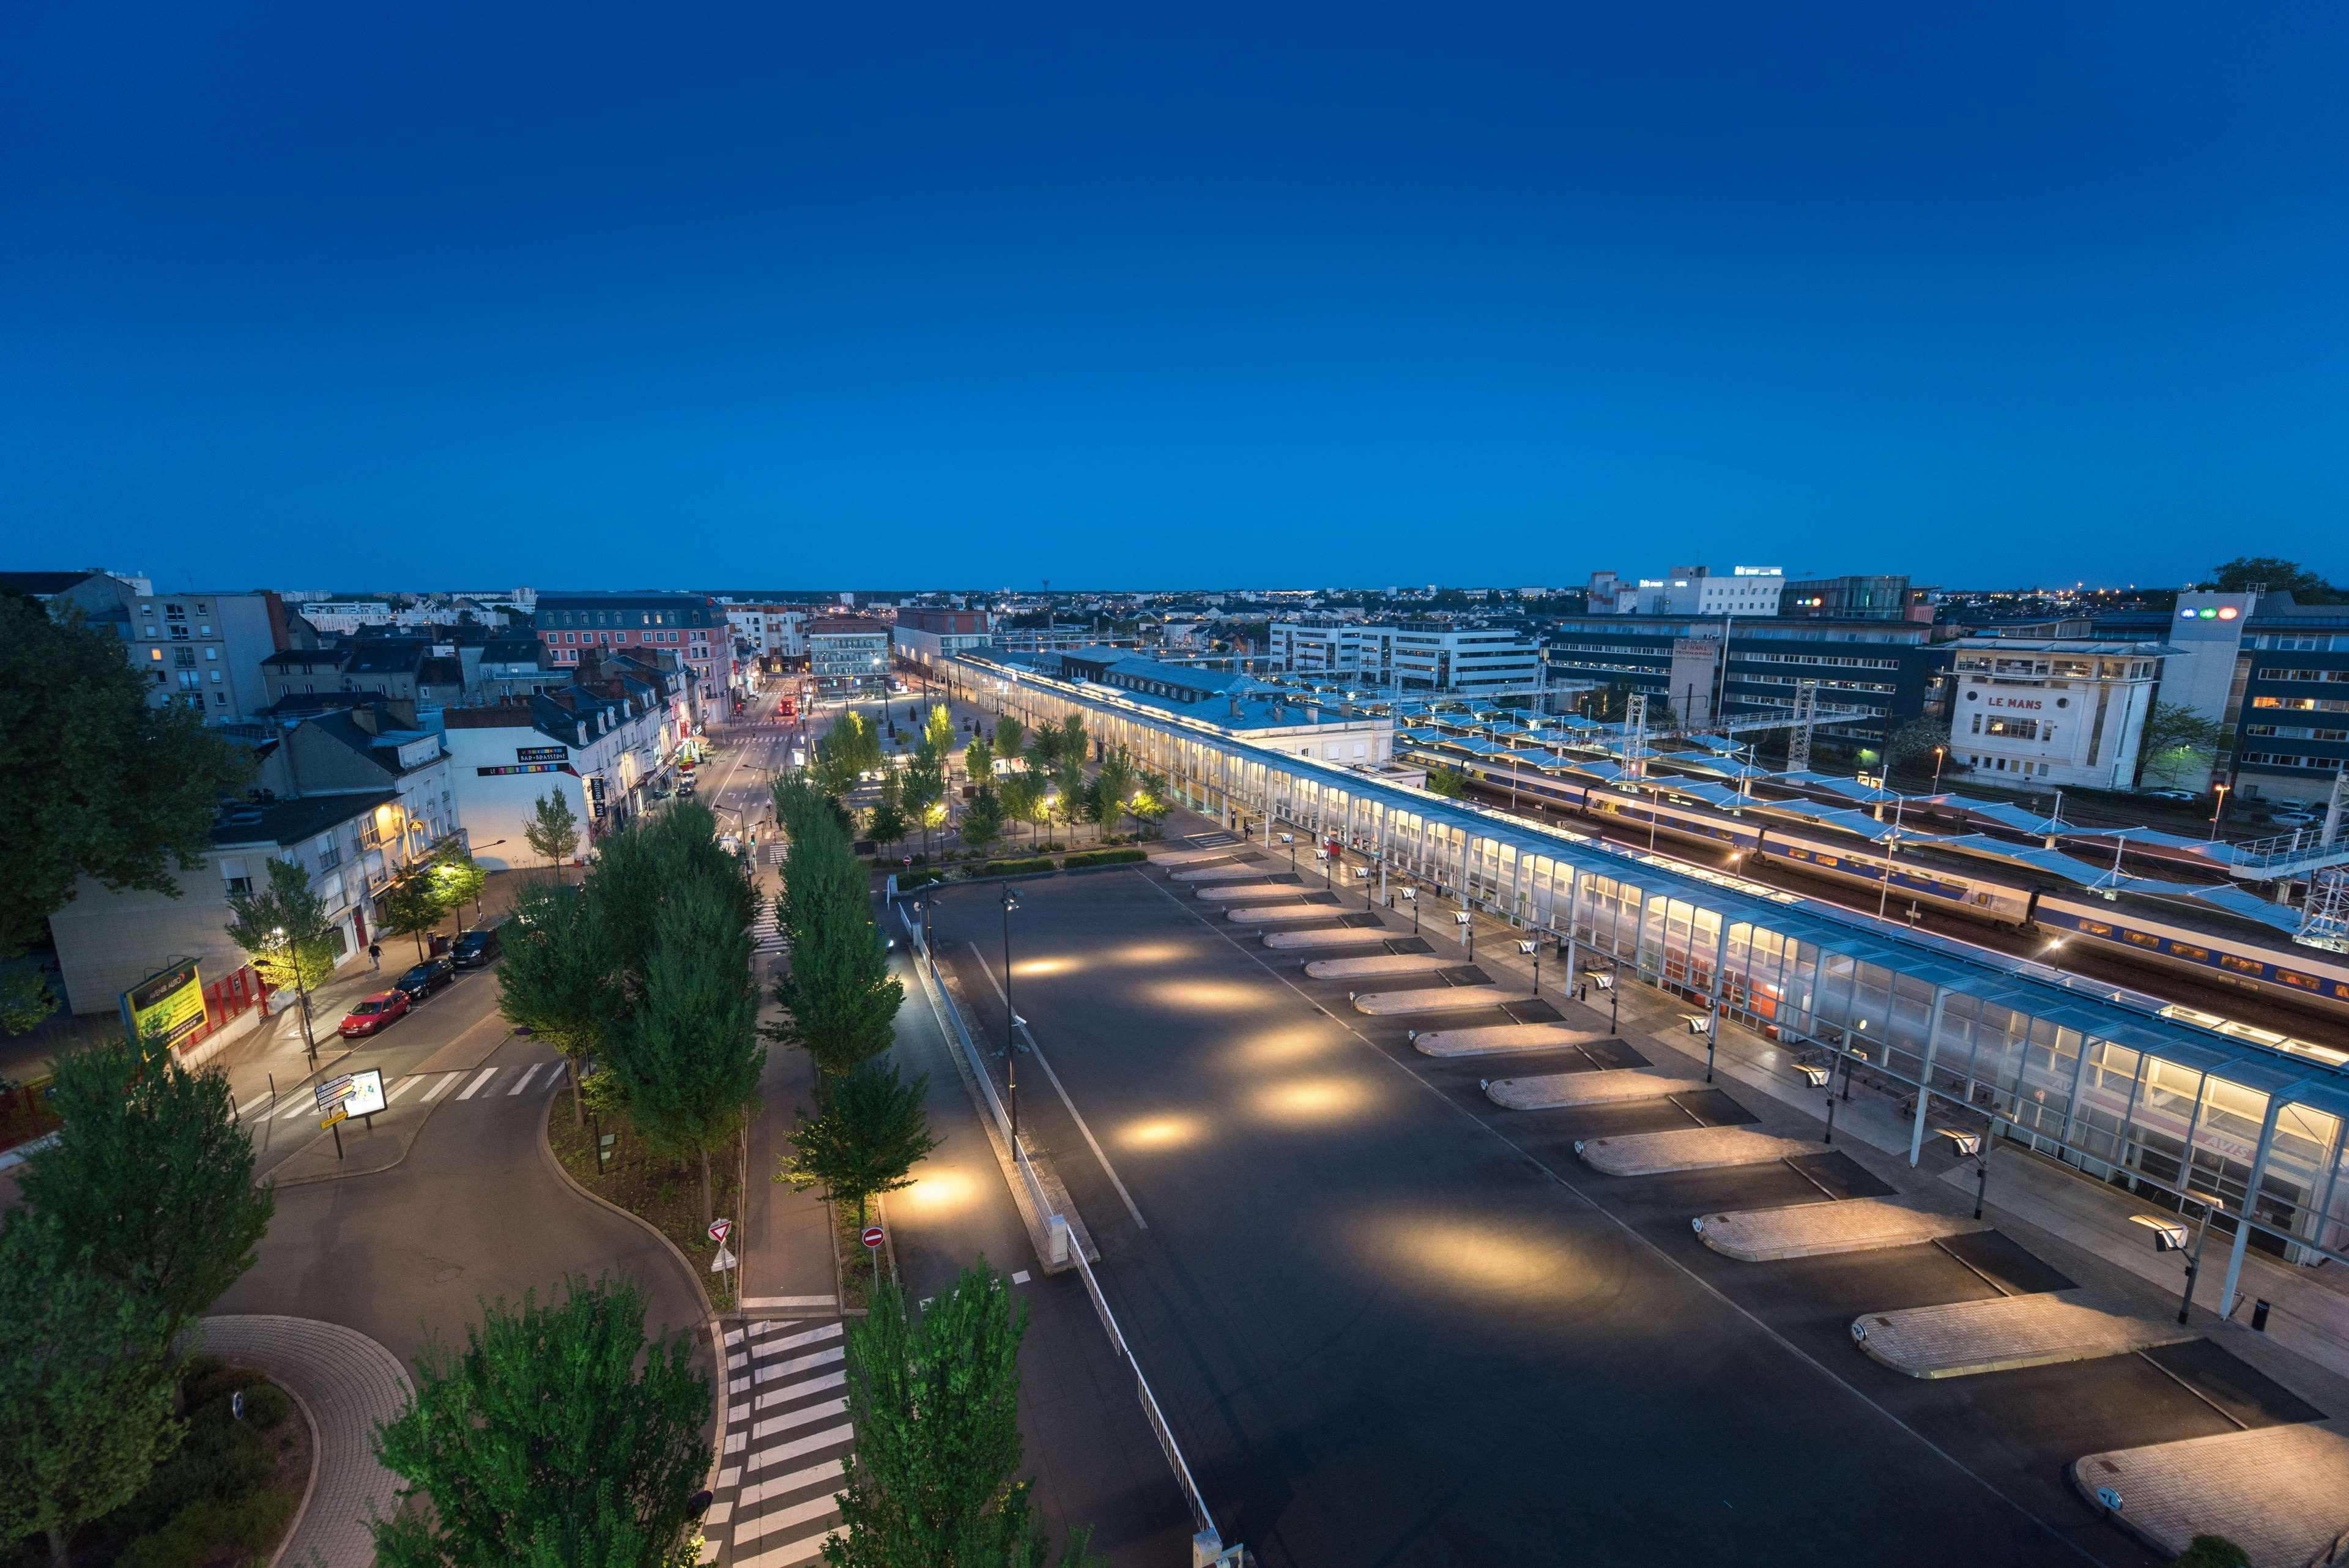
(872, 1237)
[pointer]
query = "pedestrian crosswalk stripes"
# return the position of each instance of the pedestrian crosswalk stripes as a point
(401, 1087)
(475, 1086)
(448, 1081)
(539, 1078)
(767, 935)
(786, 1452)
(524, 1082)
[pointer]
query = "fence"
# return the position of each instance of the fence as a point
(1207, 1545)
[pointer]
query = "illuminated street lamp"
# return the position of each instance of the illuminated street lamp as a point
(301, 990)
(2222, 811)
(1010, 1017)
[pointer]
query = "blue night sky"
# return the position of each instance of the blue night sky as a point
(430, 295)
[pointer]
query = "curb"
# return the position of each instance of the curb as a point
(708, 1316)
(310, 1487)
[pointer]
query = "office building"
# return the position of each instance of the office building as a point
(1408, 655)
(1750, 591)
(1883, 596)
(2056, 712)
(926, 635)
(847, 653)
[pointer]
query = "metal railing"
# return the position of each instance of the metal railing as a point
(1063, 1237)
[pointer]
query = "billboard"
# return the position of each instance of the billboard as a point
(169, 1004)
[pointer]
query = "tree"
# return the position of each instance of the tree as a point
(1009, 734)
(457, 878)
(838, 996)
(284, 930)
(92, 1387)
(1068, 781)
(410, 907)
(938, 733)
(1112, 786)
(99, 783)
(2177, 744)
(2274, 574)
(542, 1444)
(1447, 782)
(1043, 749)
(557, 979)
(887, 823)
(691, 1055)
(1021, 797)
(554, 831)
(935, 1398)
(154, 1173)
(871, 1134)
(1155, 799)
(979, 761)
(651, 861)
(925, 790)
(982, 818)
(1913, 744)
(1072, 738)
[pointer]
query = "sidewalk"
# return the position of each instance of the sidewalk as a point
(345, 1383)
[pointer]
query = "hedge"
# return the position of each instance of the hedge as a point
(909, 880)
(1013, 867)
(1105, 857)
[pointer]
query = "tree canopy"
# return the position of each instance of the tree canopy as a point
(2276, 575)
(100, 782)
(870, 1135)
(553, 830)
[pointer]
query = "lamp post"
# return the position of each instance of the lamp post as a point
(1940, 754)
(300, 991)
(1010, 1019)
(2220, 812)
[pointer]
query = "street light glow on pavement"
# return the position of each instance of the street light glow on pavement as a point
(1036, 966)
(1282, 1047)
(1483, 1259)
(939, 1192)
(1159, 1132)
(1149, 952)
(1313, 1100)
(1203, 996)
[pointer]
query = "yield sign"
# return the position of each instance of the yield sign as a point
(720, 1230)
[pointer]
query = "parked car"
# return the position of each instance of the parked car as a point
(373, 1012)
(476, 948)
(2292, 817)
(2188, 796)
(425, 979)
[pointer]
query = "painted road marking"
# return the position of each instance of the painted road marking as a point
(261, 1098)
(788, 1420)
(782, 1518)
(402, 1087)
(524, 1082)
(475, 1086)
(799, 1480)
(797, 1363)
(777, 1455)
(802, 1390)
(442, 1087)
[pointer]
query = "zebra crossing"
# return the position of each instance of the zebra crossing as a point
(767, 934)
(481, 1085)
(1216, 840)
(787, 1438)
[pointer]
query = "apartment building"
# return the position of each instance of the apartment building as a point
(1414, 656)
(693, 626)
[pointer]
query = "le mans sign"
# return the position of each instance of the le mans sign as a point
(169, 1004)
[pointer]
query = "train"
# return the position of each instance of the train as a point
(2295, 977)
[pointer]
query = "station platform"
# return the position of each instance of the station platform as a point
(1340, 937)
(1818, 1230)
(1499, 1039)
(1437, 998)
(1688, 1148)
(1611, 1087)
(2000, 1334)
(1242, 892)
(1379, 964)
(2280, 1493)
(1273, 914)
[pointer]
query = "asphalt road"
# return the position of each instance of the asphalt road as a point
(1387, 1331)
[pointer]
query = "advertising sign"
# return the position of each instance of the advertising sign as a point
(169, 1004)
(366, 1096)
(523, 768)
(541, 754)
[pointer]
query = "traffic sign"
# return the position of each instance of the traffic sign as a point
(330, 1121)
(872, 1237)
(334, 1091)
(720, 1230)
(723, 1261)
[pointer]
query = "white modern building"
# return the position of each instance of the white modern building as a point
(603, 755)
(2059, 713)
(1692, 591)
(340, 617)
(1417, 655)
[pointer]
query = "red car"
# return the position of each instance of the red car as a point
(373, 1012)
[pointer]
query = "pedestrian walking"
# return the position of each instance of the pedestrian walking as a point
(375, 958)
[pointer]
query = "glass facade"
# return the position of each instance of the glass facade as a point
(2125, 1096)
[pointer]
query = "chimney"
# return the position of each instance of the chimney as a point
(369, 717)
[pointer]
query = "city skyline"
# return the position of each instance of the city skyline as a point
(1985, 298)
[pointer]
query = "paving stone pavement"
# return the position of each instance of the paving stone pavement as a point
(1688, 1149)
(1247, 892)
(1816, 1229)
(2280, 1493)
(1613, 1087)
(349, 1382)
(1437, 998)
(1495, 1039)
(1998, 1334)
